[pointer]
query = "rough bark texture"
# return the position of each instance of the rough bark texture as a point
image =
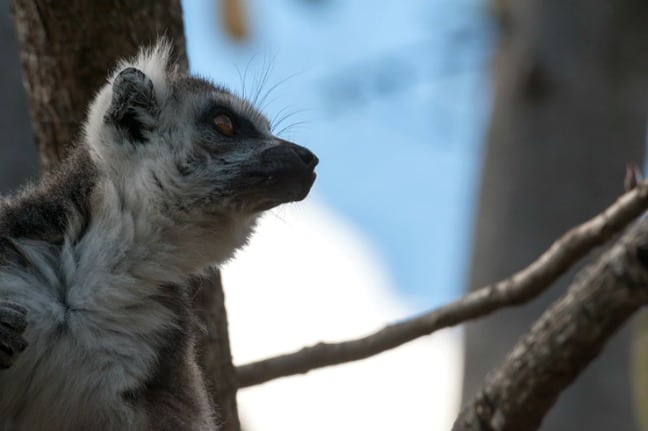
(640, 370)
(215, 355)
(562, 343)
(570, 111)
(67, 50)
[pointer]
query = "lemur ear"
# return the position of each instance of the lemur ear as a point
(133, 109)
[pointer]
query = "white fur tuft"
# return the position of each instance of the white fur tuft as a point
(154, 62)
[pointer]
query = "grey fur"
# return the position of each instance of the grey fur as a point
(96, 255)
(13, 322)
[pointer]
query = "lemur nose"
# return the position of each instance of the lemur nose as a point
(304, 154)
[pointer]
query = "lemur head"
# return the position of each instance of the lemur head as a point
(189, 148)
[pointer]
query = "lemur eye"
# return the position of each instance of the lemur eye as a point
(224, 124)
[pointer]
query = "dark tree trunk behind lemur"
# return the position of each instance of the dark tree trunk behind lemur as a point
(67, 50)
(570, 110)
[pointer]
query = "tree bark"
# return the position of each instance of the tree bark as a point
(563, 342)
(570, 111)
(67, 51)
(215, 356)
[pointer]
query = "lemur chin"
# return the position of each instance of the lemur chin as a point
(169, 177)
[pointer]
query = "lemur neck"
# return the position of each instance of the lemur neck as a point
(133, 235)
(151, 243)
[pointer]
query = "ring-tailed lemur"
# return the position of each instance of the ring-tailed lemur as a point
(169, 178)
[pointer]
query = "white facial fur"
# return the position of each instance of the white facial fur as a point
(136, 171)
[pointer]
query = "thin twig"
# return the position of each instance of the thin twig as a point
(517, 289)
(564, 341)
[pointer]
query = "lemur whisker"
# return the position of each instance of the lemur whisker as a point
(267, 70)
(276, 85)
(292, 126)
(286, 116)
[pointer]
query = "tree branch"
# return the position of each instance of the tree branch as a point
(517, 289)
(560, 345)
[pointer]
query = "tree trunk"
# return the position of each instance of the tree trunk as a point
(67, 50)
(570, 111)
(564, 341)
(18, 159)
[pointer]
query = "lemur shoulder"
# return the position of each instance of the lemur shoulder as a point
(95, 324)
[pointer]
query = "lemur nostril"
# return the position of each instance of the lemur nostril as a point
(306, 156)
(287, 151)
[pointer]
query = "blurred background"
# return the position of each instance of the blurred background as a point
(397, 123)
(457, 139)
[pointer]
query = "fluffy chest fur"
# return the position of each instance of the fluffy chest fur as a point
(109, 328)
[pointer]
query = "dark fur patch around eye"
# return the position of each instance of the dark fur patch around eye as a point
(242, 125)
